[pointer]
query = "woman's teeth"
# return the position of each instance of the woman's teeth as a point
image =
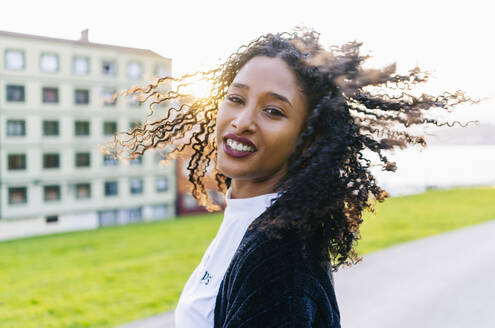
(239, 146)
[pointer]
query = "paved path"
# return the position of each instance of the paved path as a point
(447, 280)
(164, 320)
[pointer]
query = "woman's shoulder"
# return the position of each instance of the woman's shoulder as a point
(260, 256)
(270, 273)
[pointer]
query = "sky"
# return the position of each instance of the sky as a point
(453, 39)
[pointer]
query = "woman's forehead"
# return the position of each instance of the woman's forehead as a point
(264, 74)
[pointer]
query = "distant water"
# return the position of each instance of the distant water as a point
(438, 167)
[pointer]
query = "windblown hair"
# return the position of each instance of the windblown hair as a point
(354, 113)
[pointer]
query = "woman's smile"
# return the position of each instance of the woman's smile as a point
(237, 146)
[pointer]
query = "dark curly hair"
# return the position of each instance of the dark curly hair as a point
(353, 113)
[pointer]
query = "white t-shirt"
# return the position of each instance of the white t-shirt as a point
(197, 302)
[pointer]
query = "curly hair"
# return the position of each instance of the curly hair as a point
(354, 113)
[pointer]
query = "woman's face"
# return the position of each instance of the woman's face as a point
(264, 111)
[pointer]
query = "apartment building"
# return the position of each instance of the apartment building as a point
(56, 107)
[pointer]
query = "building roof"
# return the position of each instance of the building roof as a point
(81, 42)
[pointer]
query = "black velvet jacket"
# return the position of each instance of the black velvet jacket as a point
(270, 284)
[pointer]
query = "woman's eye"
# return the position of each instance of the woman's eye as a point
(274, 112)
(234, 99)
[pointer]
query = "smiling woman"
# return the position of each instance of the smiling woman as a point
(258, 125)
(288, 127)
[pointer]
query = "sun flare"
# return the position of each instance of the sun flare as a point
(197, 87)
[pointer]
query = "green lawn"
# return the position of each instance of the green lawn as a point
(110, 276)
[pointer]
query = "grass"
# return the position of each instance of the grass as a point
(407, 218)
(114, 275)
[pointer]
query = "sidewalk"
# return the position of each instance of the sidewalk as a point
(440, 281)
(163, 320)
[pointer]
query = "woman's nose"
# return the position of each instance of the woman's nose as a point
(245, 120)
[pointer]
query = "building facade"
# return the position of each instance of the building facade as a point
(56, 107)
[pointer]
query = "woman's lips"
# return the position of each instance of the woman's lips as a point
(235, 153)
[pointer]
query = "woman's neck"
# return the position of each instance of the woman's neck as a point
(247, 188)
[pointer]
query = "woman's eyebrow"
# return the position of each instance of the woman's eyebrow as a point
(273, 94)
(240, 86)
(281, 98)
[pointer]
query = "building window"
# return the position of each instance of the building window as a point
(17, 195)
(51, 219)
(51, 161)
(160, 156)
(16, 128)
(111, 188)
(138, 161)
(132, 215)
(81, 96)
(134, 124)
(17, 161)
(189, 202)
(83, 190)
(108, 218)
(14, 59)
(136, 186)
(15, 93)
(108, 68)
(134, 102)
(109, 128)
(162, 184)
(160, 71)
(108, 160)
(134, 70)
(50, 95)
(80, 65)
(83, 159)
(81, 128)
(49, 63)
(109, 96)
(50, 128)
(160, 211)
(52, 193)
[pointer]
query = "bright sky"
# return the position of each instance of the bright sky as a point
(452, 38)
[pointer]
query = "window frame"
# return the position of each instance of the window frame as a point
(57, 95)
(167, 185)
(76, 190)
(135, 62)
(15, 135)
(105, 125)
(9, 195)
(77, 57)
(57, 70)
(7, 93)
(79, 134)
(9, 159)
(114, 62)
(44, 128)
(105, 188)
(5, 65)
(132, 191)
(59, 193)
(107, 99)
(88, 92)
(158, 68)
(76, 159)
(109, 161)
(44, 161)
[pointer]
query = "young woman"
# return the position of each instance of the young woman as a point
(289, 128)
